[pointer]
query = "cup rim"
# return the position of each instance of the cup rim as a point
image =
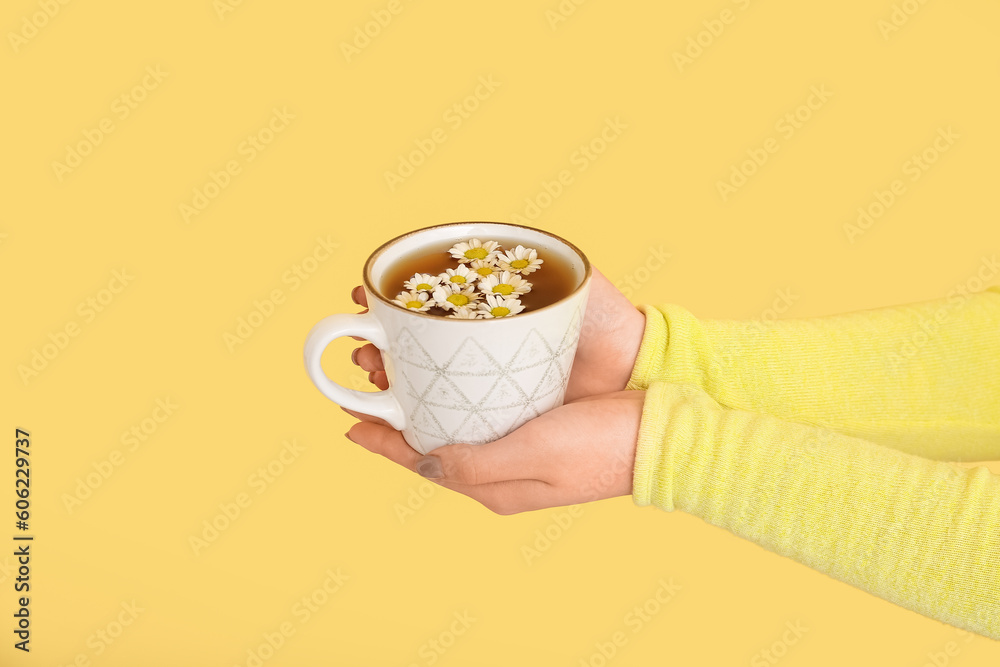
(366, 272)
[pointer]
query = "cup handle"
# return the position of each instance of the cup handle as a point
(380, 404)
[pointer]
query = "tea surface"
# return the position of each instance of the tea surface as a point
(553, 281)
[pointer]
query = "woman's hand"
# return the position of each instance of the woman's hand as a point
(609, 342)
(578, 452)
(581, 451)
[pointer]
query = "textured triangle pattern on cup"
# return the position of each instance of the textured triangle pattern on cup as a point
(475, 430)
(472, 359)
(425, 422)
(444, 393)
(534, 350)
(408, 350)
(572, 334)
(506, 393)
(417, 383)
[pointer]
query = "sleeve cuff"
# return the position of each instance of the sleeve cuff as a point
(652, 473)
(649, 360)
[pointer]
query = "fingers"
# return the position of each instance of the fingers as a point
(359, 297)
(462, 465)
(506, 459)
(466, 468)
(505, 497)
(365, 418)
(384, 440)
(368, 357)
(379, 379)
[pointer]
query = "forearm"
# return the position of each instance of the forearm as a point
(919, 533)
(923, 378)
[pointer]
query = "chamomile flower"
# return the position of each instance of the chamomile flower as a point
(414, 300)
(519, 260)
(504, 283)
(499, 306)
(465, 313)
(474, 249)
(458, 296)
(483, 268)
(461, 275)
(422, 282)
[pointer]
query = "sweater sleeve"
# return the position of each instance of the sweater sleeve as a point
(923, 378)
(922, 534)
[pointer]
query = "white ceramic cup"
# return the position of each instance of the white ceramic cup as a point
(453, 380)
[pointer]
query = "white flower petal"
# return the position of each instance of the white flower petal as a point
(473, 249)
(519, 260)
(465, 313)
(460, 275)
(483, 268)
(458, 296)
(413, 300)
(499, 306)
(504, 283)
(422, 282)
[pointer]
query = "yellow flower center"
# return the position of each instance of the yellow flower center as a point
(423, 286)
(476, 253)
(500, 311)
(414, 304)
(484, 271)
(519, 264)
(504, 289)
(457, 279)
(459, 299)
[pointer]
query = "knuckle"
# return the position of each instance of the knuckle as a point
(463, 464)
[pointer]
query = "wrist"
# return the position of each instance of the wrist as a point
(629, 336)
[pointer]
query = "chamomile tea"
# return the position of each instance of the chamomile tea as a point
(478, 279)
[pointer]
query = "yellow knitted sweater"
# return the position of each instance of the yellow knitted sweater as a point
(824, 440)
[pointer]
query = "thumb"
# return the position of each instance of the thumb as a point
(508, 458)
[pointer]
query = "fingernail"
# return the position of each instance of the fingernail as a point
(430, 467)
(348, 436)
(354, 295)
(354, 356)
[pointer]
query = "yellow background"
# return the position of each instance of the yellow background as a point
(323, 176)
